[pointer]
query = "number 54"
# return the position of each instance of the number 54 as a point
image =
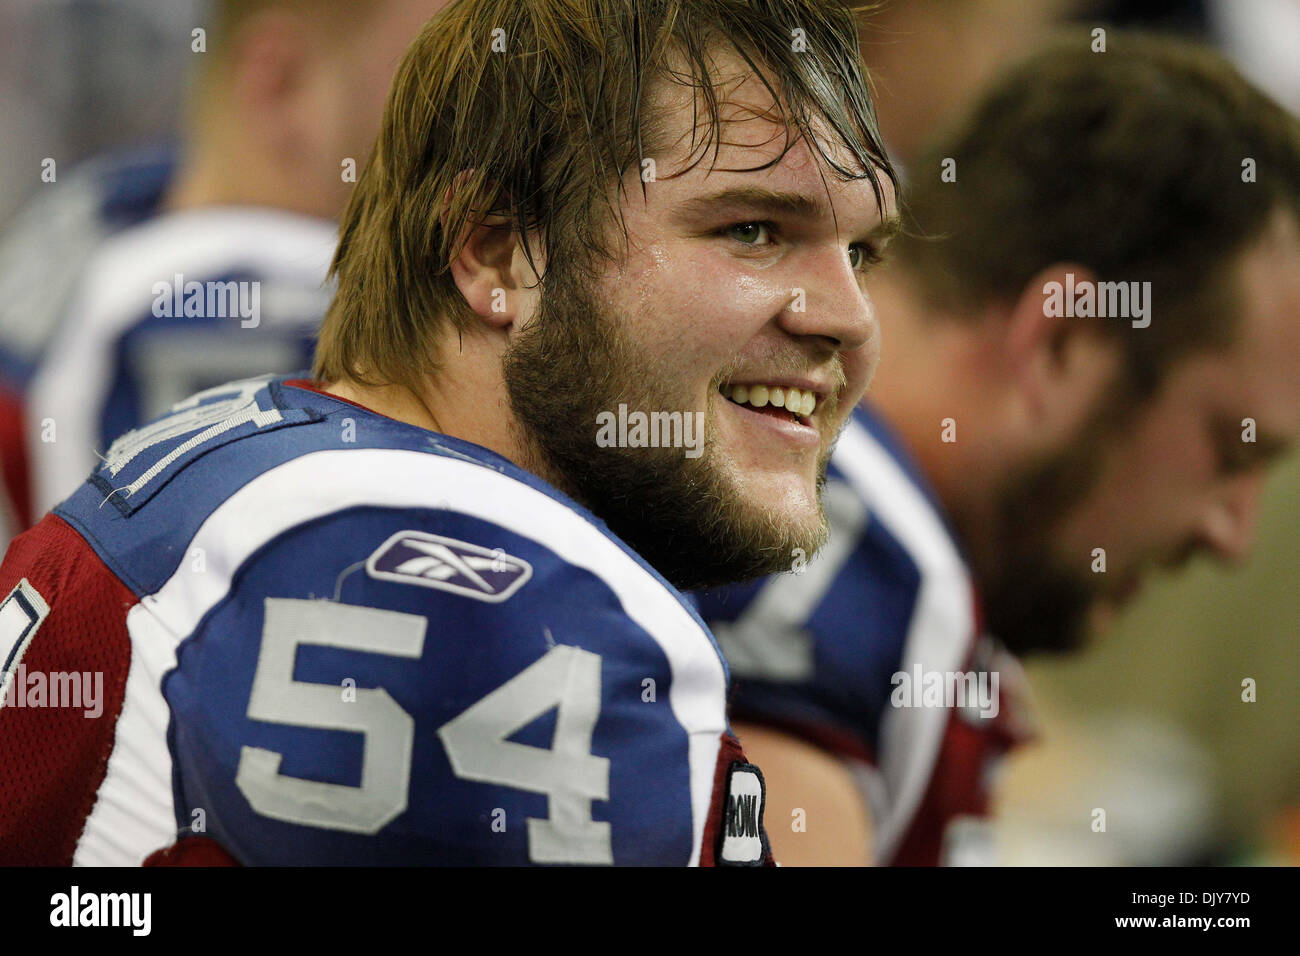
(567, 678)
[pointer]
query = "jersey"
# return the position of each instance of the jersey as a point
(42, 258)
(841, 654)
(328, 637)
(173, 306)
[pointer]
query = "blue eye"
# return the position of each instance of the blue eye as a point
(867, 256)
(750, 232)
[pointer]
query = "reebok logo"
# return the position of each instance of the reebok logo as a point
(432, 561)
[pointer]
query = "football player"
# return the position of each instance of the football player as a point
(152, 274)
(1092, 355)
(413, 609)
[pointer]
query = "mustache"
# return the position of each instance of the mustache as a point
(787, 365)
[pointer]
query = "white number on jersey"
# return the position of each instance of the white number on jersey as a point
(21, 615)
(279, 699)
(567, 678)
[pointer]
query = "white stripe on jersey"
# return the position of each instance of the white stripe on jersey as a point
(939, 636)
(770, 639)
(42, 253)
(73, 382)
(293, 493)
(134, 812)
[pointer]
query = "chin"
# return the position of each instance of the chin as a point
(792, 491)
(794, 506)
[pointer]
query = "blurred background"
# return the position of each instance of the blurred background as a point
(1149, 723)
(81, 77)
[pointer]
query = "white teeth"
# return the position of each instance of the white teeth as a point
(796, 400)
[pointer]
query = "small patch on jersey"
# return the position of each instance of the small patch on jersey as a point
(140, 463)
(430, 560)
(742, 817)
(21, 615)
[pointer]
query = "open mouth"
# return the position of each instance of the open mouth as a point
(786, 404)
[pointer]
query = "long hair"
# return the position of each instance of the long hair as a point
(535, 110)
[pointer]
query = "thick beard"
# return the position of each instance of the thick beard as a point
(684, 516)
(1031, 603)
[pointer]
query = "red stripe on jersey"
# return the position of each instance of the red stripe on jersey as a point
(54, 758)
(958, 787)
(192, 851)
(14, 471)
(971, 750)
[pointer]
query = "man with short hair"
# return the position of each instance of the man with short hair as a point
(144, 277)
(412, 611)
(1092, 355)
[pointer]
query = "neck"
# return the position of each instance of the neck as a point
(930, 373)
(465, 399)
(257, 174)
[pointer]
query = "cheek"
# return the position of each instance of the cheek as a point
(860, 365)
(694, 316)
(1143, 499)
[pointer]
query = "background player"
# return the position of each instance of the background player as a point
(1043, 457)
(151, 274)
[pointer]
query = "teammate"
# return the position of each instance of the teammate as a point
(412, 610)
(42, 258)
(150, 275)
(1091, 355)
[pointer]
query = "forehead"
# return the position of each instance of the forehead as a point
(1268, 352)
(691, 159)
(1270, 283)
(1258, 376)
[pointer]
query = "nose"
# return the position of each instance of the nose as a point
(832, 305)
(1228, 527)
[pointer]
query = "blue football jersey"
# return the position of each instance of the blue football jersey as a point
(183, 302)
(44, 251)
(329, 637)
(823, 653)
(43, 254)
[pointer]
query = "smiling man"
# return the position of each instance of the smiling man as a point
(411, 611)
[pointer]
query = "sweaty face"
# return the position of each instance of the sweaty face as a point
(740, 304)
(1156, 484)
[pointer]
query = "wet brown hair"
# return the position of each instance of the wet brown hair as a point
(1127, 162)
(536, 111)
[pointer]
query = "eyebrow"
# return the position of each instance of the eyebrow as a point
(775, 203)
(1266, 448)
